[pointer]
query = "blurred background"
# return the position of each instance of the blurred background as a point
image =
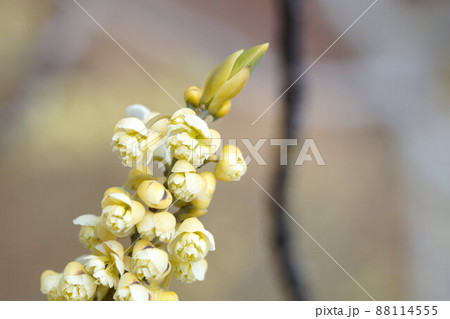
(376, 105)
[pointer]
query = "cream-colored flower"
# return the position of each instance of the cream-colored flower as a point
(146, 227)
(189, 272)
(189, 137)
(92, 231)
(107, 267)
(154, 194)
(231, 166)
(131, 289)
(148, 262)
(121, 214)
(115, 252)
(204, 199)
(191, 241)
(184, 183)
(161, 225)
(134, 142)
(49, 285)
(165, 224)
(76, 284)
(100, 267)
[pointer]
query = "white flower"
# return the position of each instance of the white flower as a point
(184, 183)
(121, 214)
(191, 241)
(148, 262)
(134, 142)
(92, 231)
(100, 267)
(189, 137)
(76, 284)
(115, 252)
(49, 285)
(189, 272)
(160, 225)
(131, 289)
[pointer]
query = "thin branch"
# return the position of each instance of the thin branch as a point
(291, 19)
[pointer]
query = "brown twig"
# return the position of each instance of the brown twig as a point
(291, 33)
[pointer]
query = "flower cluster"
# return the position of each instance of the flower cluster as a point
(165, 245)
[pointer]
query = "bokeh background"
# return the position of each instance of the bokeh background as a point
(377, 106)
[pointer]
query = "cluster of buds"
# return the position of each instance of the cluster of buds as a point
(165, 244)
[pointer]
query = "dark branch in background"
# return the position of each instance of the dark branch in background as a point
(291, 22)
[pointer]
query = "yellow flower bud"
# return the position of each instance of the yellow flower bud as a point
(184, 183)
(189, 272)
(249, 58)
(131, 289)
(154, 194)
(49, 285)
(163, 295)
(229, 89)
(203, 200)
(92, 231)
(146, 227)
(192, 95)
(121, 214)
(165, 224)
(149, 263)
(76, 284)
(191, 241)
(231, 166)
(218, 76)
(224, 109)
(161, 225)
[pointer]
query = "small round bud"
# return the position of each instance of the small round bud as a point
(154, 194)
(224, 109)
(192, 95)
(231, 166)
